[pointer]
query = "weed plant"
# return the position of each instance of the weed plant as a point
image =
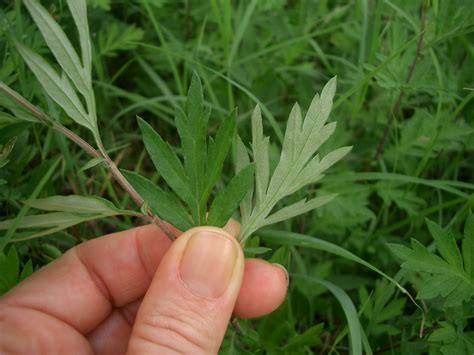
(380, 250)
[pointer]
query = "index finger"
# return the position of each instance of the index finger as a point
(81, 287)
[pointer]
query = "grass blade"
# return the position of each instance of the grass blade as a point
(296, 239)
(350, 311)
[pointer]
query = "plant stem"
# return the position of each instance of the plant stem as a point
(108, 162)
(396, 106)
(114, 170)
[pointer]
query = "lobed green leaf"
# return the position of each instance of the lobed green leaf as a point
(167, 163)
(446, 245)
(468, 246)
(228, 199)
(192, 130)
(217, 152)
(164, 204)
(446, 276)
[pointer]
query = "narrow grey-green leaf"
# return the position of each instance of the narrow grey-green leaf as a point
(166, 162)
(6, 119)
(333, 157)
(309, 175)
(260, 156)
(44, 220)
(286, 174)
(78, 10)
(316, 140)
(56, 87)
(92, 163)
(297, 208)
(166, 205)
(319, 109)
(59, 44)
(57, 228)
(242, 160)
(241, 155)
(228, 199)
(292, 143)
(74, 204)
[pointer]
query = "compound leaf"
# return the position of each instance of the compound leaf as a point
(299, 165)
(446, 275)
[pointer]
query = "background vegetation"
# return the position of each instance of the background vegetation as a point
(405, 87)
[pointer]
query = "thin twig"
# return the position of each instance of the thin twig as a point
(108, 162)
(396, 106)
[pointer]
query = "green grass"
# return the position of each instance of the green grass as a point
(404, 102)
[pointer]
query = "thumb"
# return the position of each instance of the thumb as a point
(192, 295)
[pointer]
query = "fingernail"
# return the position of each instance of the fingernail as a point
(282, 268)
(208, 263)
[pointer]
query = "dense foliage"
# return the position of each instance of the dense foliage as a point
(405, 73)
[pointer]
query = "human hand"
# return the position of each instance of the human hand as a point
(136, 292)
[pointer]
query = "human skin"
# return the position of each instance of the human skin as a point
(135, 291)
